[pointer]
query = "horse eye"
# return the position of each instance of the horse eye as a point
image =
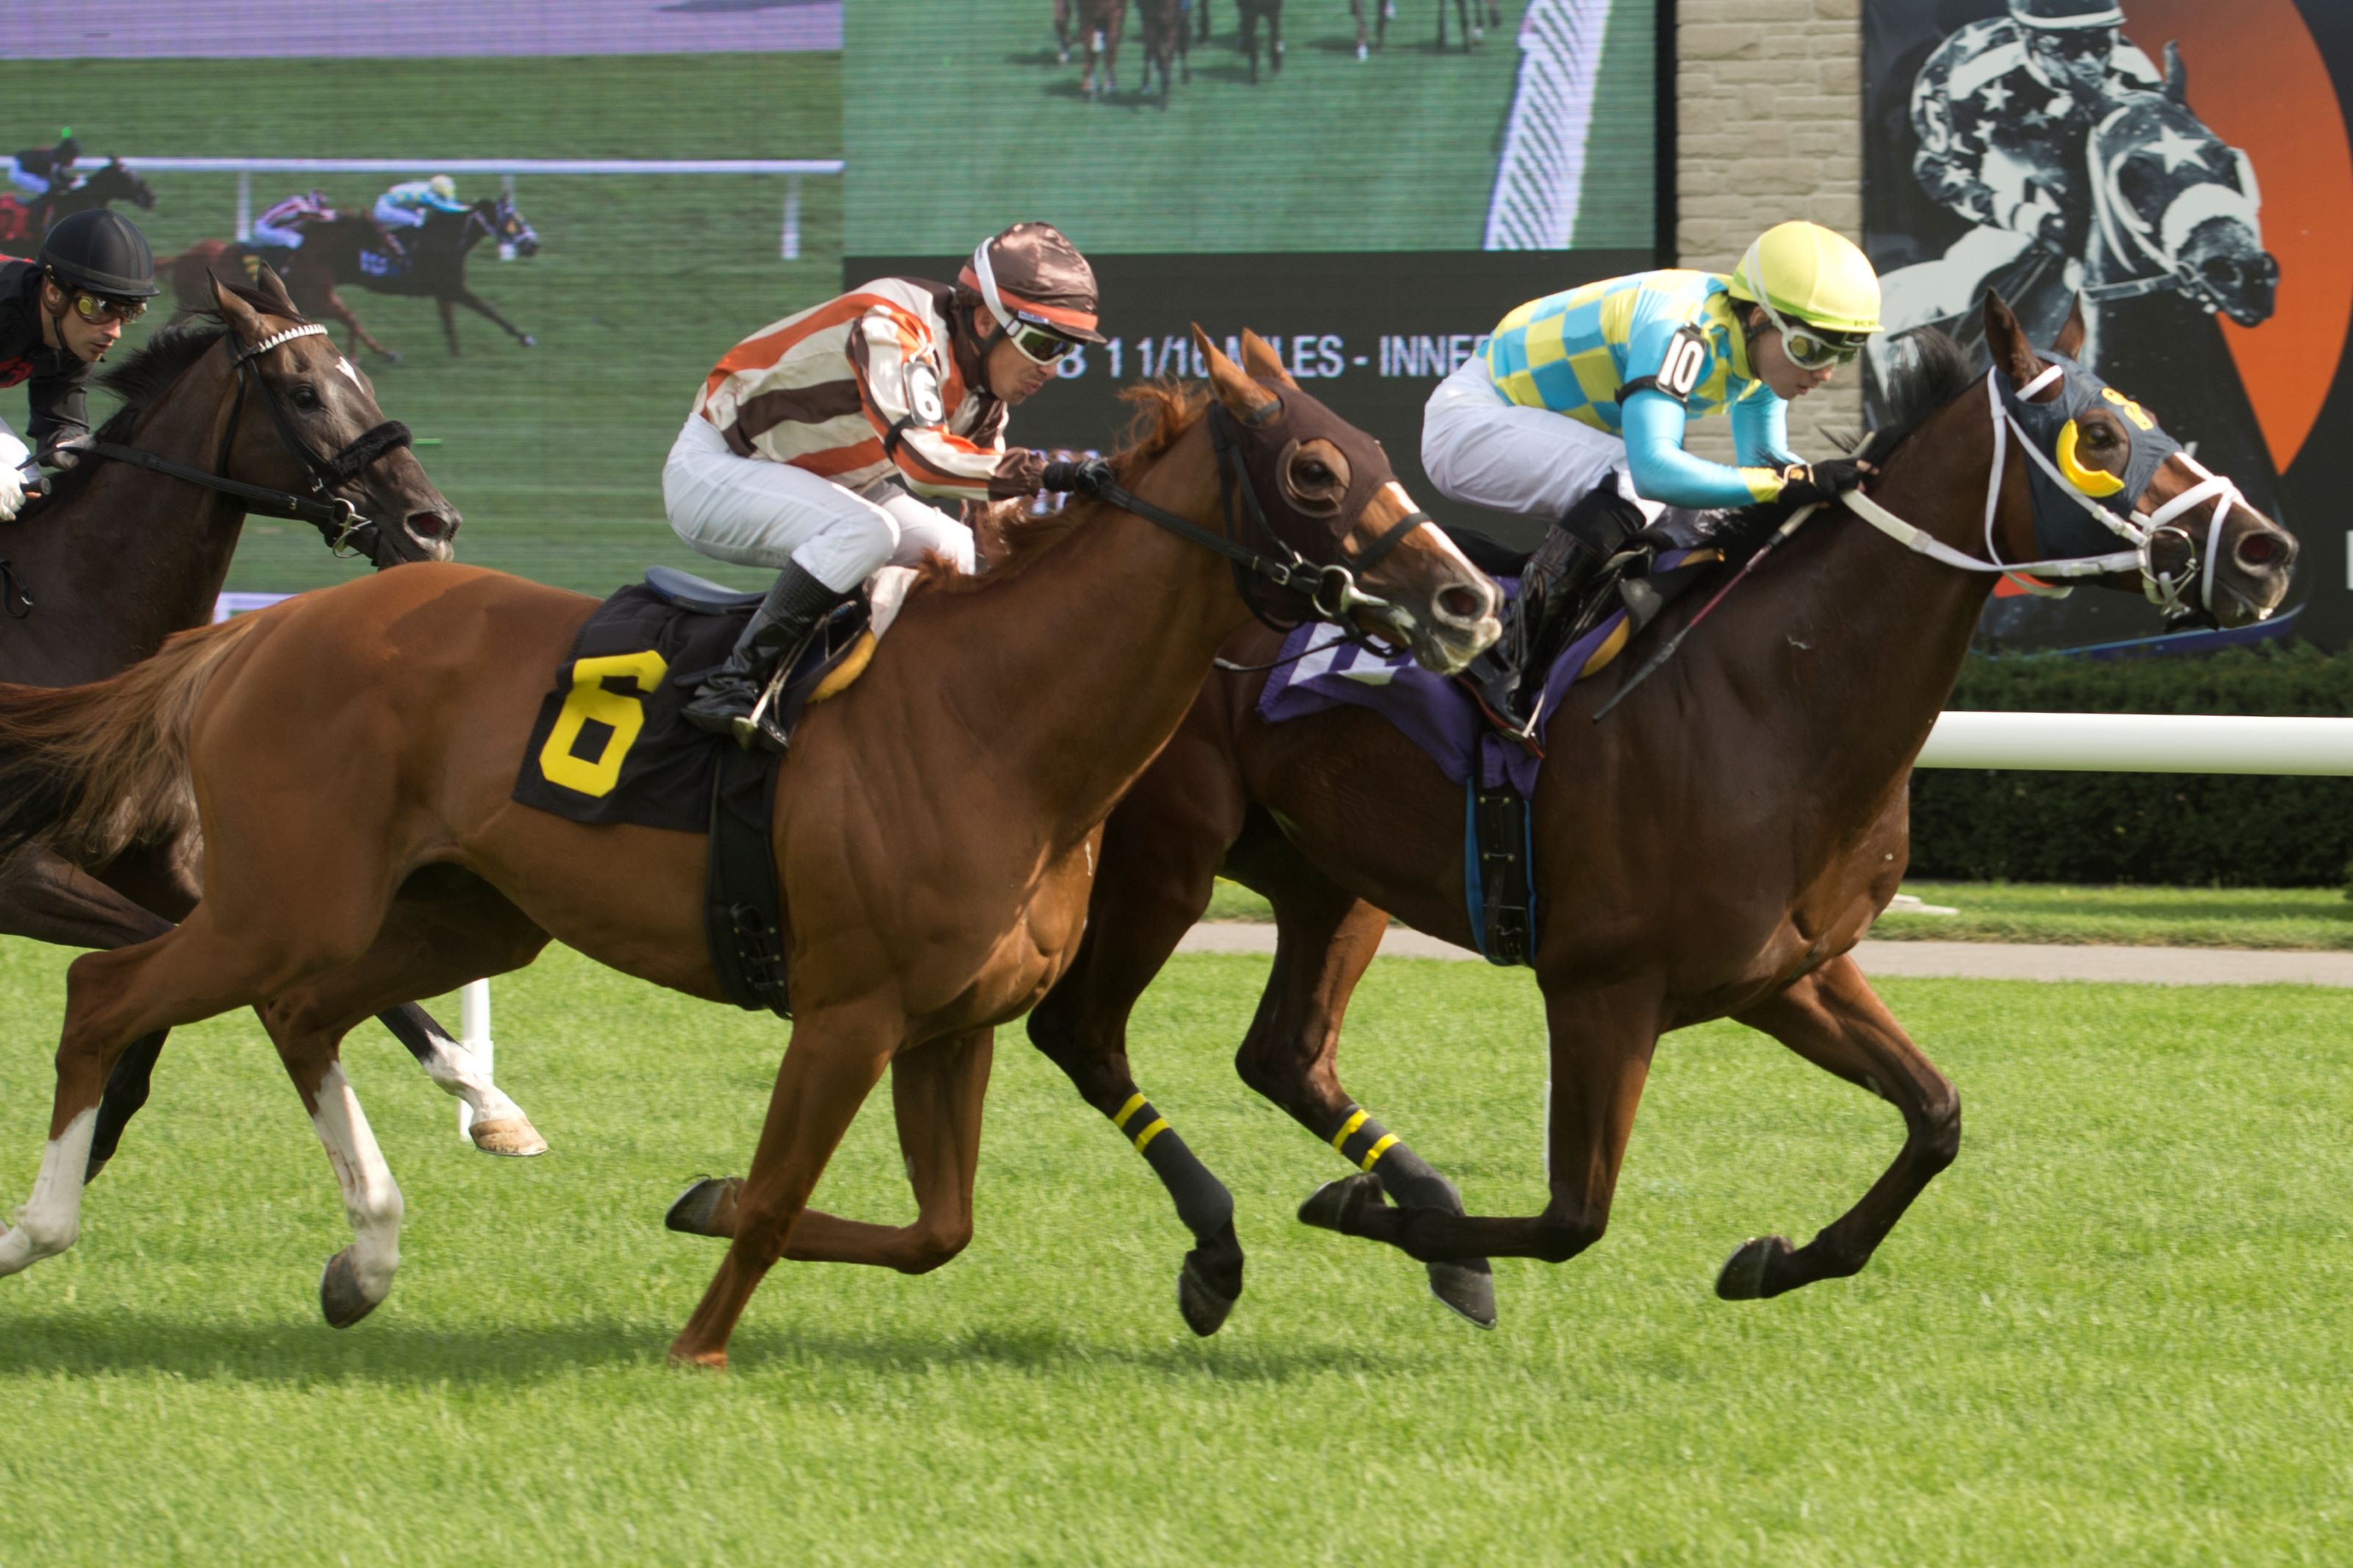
(304, 396)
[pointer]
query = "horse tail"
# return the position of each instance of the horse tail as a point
(92, 771)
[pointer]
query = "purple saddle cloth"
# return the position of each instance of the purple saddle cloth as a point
(1435, 712)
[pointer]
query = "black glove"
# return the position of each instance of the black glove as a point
(1086, 476)
(1802, 483)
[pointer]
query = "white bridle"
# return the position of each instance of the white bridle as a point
(2141, 528)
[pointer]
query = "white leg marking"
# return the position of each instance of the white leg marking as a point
(458, 1071)
(47, 1224)
(370, 1197)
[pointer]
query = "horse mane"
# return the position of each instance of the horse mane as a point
(143, 380)
(1010, 538)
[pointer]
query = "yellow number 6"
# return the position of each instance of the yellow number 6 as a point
(624, 713)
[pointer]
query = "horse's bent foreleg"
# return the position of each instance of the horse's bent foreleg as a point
(834, 1061)
(1324, 939)
(1601, 1041)
(1157, 874)
(1833, 1019)
(481, 307)
(937, 1090)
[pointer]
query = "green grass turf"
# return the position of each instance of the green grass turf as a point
(2111, 1333)
(2038, 912)
(1397, 153)
(554, 453)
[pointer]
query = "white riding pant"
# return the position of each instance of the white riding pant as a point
(31, 185)
(755, 512)
(290, 238)
(1480, 447)
(392, 215)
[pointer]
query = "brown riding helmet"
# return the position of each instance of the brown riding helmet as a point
(1032, 273)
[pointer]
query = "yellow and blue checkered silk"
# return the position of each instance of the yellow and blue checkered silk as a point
(1572, 352)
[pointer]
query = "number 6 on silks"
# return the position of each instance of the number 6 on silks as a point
(622, 713)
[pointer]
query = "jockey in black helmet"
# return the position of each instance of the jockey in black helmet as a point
(58, 315)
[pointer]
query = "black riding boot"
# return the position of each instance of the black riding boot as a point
(1575, 548)
(783, 622)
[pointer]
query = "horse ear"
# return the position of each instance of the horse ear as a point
(1245, 399)
(1263, 363)
(242, 318)
(2177, 80)
(2005, 340)
(2070, 340)
(273, 289)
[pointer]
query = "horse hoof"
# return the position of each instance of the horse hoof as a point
(1746, 1271)
(698, 1361)
(1468, 1288)
(1335, 1205)
(707, 1207)
(528, 342)
(511, 1136)
(340, 1296)
(1204, 1306)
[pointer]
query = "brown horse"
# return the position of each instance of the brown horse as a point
(1098, 24)
(352, 251)
(119, 556)
(28, 224)
(349, 756)
(1713, 849)
(1165, 43)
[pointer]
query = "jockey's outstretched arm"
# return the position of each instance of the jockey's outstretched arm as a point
(1663, 471)
(1760, 433)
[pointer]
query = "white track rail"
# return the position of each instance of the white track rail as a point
(2141, 743)
(792, 169)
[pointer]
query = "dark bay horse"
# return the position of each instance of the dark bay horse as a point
(27, 224)
(1713, 849)
(1165, 44)
(350, 250)
(118, 557)
(935, 830)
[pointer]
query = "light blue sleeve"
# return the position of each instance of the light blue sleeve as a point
(1760, 430)
(1663, 471)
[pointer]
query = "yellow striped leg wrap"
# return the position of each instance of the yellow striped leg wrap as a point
(1150, 1123)
(1362, 1140)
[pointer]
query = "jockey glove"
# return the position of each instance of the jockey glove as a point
(1803, 483)
(1086, 476)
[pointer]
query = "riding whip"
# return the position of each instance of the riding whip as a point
(1676, 641)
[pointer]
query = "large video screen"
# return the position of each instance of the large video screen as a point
(1370, 198)
(2184, 168)
(640, 275)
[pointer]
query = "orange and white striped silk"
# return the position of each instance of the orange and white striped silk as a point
(868, 386)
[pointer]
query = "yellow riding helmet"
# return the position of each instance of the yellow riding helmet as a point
(445, 187)
(1810, 274)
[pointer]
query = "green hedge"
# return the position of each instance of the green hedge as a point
(2172, 829)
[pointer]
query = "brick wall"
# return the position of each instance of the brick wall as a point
(1769, 99)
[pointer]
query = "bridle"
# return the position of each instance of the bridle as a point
(2141, 530)
(1328, 591)
(337, 520)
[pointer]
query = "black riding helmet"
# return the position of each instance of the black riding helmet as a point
(101, 251)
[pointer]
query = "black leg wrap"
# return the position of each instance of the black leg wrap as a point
(1465, 1286)
(1210, 1282)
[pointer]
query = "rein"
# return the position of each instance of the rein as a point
(337, 520)
(1330, 590)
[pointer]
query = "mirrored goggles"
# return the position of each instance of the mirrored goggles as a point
(1811, 347)
(97, 308)
(1038, 344)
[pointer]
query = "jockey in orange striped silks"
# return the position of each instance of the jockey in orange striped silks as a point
(810, 442)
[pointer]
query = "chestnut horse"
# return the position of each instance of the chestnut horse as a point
(1714, 848)
(117, 557)
(348, 756)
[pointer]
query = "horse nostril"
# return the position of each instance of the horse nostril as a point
(1464, 604)
(432, 524)
(2262, 551)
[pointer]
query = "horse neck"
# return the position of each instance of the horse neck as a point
(150, 552)
(1846, 655)
(1075, 671)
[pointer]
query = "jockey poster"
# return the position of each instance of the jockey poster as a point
(1370, 183)
(2184, 168)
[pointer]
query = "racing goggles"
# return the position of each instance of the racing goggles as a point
(95, 307)
(1811, 347)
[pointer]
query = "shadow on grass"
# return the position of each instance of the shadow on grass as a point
(396, 1355)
